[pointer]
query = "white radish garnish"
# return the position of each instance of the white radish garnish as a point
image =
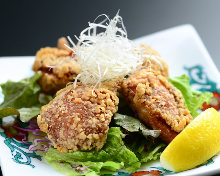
(104, 51)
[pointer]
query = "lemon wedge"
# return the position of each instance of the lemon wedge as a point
(197, 143)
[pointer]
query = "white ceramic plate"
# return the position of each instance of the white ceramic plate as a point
(185, 53)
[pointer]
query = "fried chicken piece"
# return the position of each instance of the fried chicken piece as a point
(61, 42)
(77, 118)
(153, 61)
(157, 102)
(66, 69)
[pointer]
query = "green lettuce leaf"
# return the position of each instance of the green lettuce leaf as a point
(140, 140)
(23, 98)
(193, 99)
(24, 93)
(146, 150)
(114, 155)
(27, 113)
(8, 112)
(132, 124)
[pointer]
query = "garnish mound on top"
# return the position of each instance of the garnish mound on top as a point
(103, 53)
(106, 55)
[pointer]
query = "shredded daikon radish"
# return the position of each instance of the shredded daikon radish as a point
(107, 54)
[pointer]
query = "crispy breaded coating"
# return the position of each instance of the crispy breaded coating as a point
(61, 42)
(157, 102)
(53, 79)
(77, 119)
(113, 85)
(154, 62)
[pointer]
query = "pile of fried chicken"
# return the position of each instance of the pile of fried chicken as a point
(78, 117)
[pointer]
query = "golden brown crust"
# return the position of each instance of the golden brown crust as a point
(113, 85)
(157, 102)
(60, 44)
(53, 79)
(153, 61)
(77, 119)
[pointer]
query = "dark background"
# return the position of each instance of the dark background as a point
(26, 26)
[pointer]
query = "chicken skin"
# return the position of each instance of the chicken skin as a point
(157, 103)
(78, 118)
(65, 70)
